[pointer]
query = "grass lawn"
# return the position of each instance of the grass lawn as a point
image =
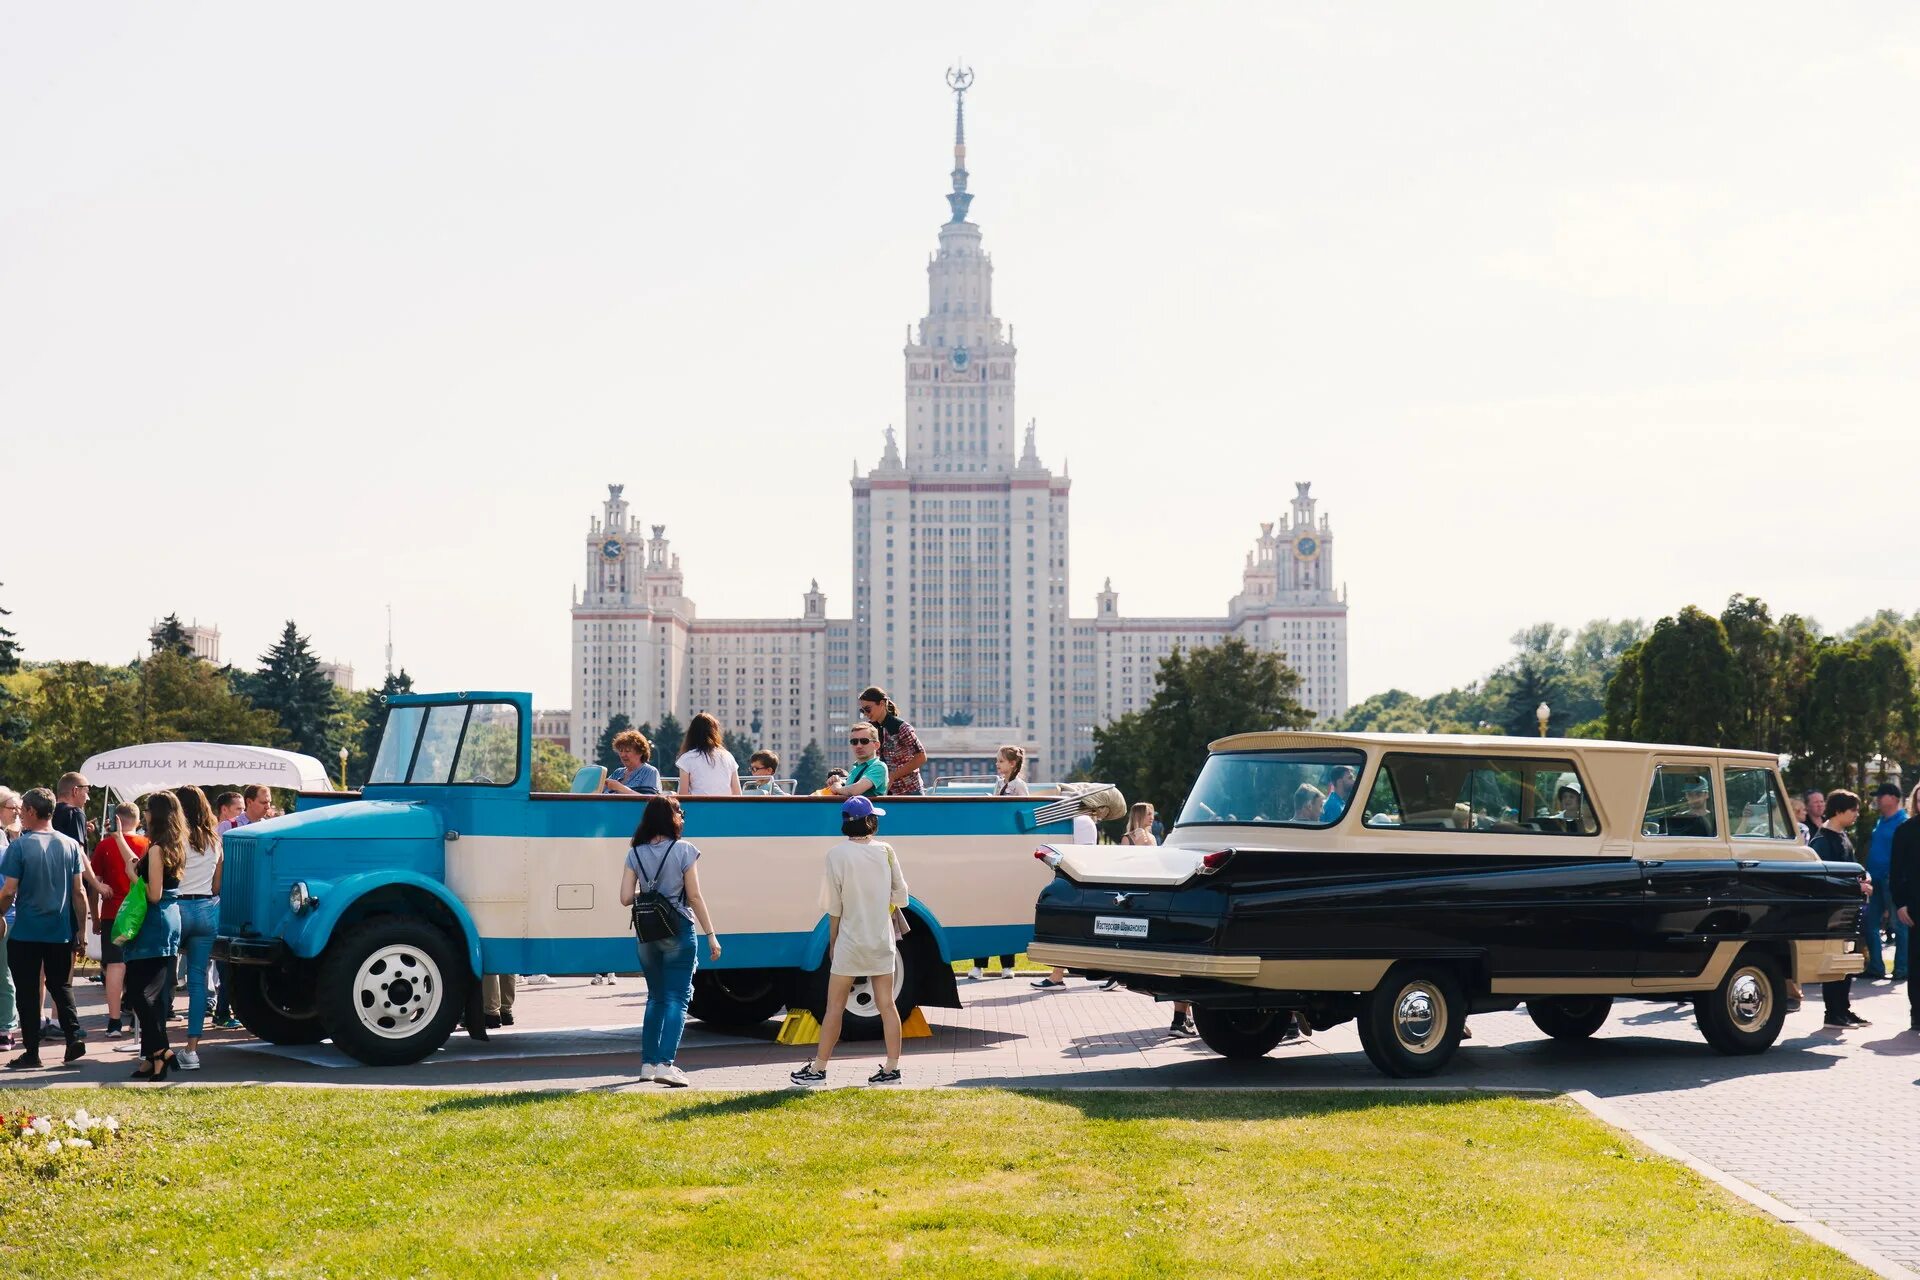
(973, 1183)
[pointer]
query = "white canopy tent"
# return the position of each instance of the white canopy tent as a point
(157, 766)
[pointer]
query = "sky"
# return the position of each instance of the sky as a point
(1566, 312)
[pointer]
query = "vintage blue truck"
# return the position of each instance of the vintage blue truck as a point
(368, 917)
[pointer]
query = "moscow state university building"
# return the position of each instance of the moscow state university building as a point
(960, 603)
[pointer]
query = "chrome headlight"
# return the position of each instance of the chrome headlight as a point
(298, 897)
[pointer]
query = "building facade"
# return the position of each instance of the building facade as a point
(960, 587)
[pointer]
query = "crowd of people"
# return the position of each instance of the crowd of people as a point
(1891, 885)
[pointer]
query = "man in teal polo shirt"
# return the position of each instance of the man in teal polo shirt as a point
(41, 878)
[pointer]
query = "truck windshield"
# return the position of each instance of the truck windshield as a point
(459, 744)
(1273, 788)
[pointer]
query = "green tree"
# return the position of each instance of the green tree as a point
(1686, 682)
(810, 770)
(603, 752)
(739, 746)
(1623, 697)
(9, 647)
(667, 746)
(182, 699)
(1154, 754)
(553, 768)
(169, 636)
(290, 684)
(75, 710)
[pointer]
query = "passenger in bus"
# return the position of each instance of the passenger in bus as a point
(707, 768)
(862, 888)
(1697, 819)
(868, 777)
(764, 765)
(900, 748)
(1309, 802)
(635, 776)
(1010, 764)
(836, 776)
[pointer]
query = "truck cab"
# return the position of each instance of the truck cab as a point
(368, 918)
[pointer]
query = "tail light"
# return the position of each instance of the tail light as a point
(1212, 862)
(1048, 855)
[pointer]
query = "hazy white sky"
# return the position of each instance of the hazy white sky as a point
(1565, 311)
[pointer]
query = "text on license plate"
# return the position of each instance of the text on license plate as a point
(1119, 927)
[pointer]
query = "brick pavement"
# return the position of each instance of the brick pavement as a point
(1825, 1122)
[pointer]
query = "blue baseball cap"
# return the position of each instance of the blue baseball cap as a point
(861, 807)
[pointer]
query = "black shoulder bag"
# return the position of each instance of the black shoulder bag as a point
(655, 916)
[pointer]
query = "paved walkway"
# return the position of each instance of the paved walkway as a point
(1826, 1122)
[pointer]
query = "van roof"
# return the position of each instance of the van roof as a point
(1309, 739)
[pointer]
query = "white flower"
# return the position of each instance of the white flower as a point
(81, 1143)
(113, 1126)
(53, 1148)
(42, 1126)
(80, 1117)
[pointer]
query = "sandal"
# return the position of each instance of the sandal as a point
(1048, 982)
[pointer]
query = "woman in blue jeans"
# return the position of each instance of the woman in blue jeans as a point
(660, 860)
(199, 912)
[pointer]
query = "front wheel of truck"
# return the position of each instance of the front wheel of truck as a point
(391, 990)
(275, 1002)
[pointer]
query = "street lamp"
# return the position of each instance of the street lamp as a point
(343, 768)
(1543, 713)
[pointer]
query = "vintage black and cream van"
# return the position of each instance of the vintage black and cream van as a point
(1407, 881)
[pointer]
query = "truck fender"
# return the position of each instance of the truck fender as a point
(308, 935)
(816, 949)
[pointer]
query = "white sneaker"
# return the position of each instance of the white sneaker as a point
(537, 980)
(649, 1071)
(974, 974)
(672, 1076)
(187, 1060)
(610, 980)
(1007, 972)
(599, 979)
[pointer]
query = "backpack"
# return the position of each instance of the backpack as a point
(655, 916)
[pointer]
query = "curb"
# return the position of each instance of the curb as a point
(1804, 1223)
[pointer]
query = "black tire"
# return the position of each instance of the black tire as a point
(275, 1003)
(862, 1019)
(1411, 1023)
(1243, 1034)
(739, 997)
(1744, 1013)
(392, 989)
(1570, 1017)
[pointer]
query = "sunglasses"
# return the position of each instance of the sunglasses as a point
(859, 741)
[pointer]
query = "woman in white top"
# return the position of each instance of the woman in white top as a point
(862, 887)
(1009, 764)
(199, 898)
(707, 768)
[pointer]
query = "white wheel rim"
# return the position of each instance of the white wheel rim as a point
(397, 991)
(861, 1000)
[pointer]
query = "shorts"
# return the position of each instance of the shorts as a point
(109, 951)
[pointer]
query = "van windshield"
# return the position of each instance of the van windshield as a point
(1273, 788)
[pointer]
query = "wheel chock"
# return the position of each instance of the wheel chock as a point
(799, 1028)
(914, 1024)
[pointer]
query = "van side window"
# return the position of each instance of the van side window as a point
(1501, 794)
(1755, 807)
(1680, 803)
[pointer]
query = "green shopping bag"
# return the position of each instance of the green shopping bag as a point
(132, 914)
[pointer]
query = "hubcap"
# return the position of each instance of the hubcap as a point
(861, 999)
(1419, 1017)
(1749, 998)
(397, 991)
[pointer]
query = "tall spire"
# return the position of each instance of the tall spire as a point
(959, 79)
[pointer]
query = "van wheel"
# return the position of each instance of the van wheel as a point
(1243, 1034)
(861, 1020)
(1570, 1017)
(738, 997)
(1411, 1023)
(391, 990)
(1744, 1013)
(275, 1003)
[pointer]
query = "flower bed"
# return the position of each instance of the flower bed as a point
(47, 1146)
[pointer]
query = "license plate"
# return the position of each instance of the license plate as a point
(1119, 927)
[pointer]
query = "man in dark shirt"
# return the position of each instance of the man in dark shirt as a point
(70, 811)
(1697, 818)
(1832, 844)
(1903, 874)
